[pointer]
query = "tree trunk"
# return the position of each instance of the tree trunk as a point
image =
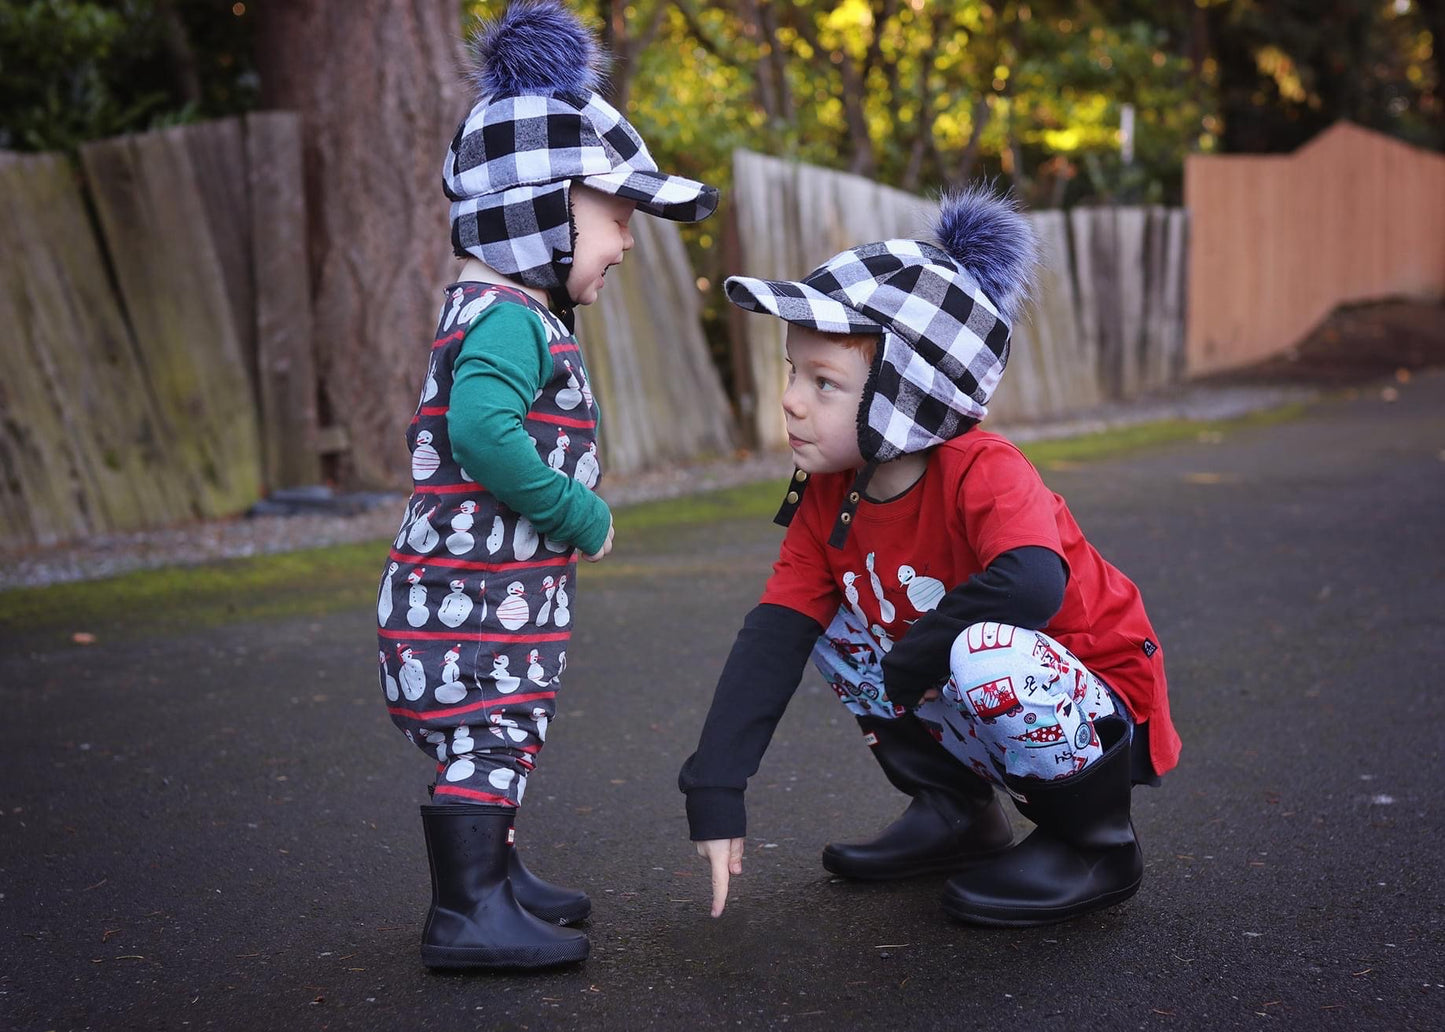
(379, 89)
(982, 112)
(1433, 13)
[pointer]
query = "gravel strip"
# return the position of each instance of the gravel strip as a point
(112, 554)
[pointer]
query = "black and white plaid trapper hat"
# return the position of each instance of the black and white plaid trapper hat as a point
(538, 126)
(944, 313)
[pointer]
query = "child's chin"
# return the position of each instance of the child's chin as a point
(812, 466)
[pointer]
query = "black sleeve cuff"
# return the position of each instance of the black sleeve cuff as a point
(716, 813)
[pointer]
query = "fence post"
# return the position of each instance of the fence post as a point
(153, 220)
(286, 385)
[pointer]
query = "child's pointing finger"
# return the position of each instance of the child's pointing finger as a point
(725, 857)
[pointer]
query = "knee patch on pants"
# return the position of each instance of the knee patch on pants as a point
(1029, 703)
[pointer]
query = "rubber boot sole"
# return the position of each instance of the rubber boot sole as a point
(562, 915)
(504, 957)
(1025, 917)
(864, 871)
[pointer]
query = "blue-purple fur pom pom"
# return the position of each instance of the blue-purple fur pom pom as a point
(988, 236)
(536, 47)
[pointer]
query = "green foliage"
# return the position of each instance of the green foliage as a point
(1289, 68)
(921, 95)
(916, 94)
(72, 71)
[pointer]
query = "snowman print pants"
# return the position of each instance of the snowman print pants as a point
(1017, 702)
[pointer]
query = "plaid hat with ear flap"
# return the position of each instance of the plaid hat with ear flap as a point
(944, 311)
(538, 126)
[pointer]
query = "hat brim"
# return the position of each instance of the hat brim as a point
(799, 304)
(657, 193)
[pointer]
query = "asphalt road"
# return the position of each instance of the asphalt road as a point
(218, 830)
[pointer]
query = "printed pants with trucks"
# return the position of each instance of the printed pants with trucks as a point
(1017, 702)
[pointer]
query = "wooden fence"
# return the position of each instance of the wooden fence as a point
(1106, 320)
(159, 363)
(148, 380)
(1281, 241)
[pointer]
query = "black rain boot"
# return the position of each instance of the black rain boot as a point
(954, 820)
(1082, 857)
(543, 899)
(475, 921)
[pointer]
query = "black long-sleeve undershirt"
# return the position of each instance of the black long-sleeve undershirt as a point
(1023, 587)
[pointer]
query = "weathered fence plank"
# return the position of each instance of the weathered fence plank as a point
(172, 281)
(661, 398)
(1130, 229)
(1051, 366)
(1160, 347)
(1174, 298)
(83, 447)
(218, 155)
(285, 365)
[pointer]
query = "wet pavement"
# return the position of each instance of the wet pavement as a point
(219, 830)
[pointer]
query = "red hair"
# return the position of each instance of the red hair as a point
(864, 342)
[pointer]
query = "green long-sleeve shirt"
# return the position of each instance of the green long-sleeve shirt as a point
(503, 361)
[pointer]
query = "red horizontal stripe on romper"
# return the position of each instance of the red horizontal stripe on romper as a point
(441, 489)
(461, 636)
(576, 424)
(474, 707)
(433, 410)
(468, 564)
(468, 793)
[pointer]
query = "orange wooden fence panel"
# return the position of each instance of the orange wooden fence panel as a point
(1278, 242)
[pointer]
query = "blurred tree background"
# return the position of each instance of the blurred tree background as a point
(914, 93)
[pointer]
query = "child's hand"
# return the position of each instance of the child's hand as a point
(931, 694)
(725, 856)
(596, 557)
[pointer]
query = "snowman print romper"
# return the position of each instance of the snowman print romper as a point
(473, 612)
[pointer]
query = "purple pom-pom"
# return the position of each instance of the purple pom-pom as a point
(988, 236)
(536, 47)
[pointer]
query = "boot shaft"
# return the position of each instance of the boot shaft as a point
(1089, 809)
(915, 762)
(467, 848)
